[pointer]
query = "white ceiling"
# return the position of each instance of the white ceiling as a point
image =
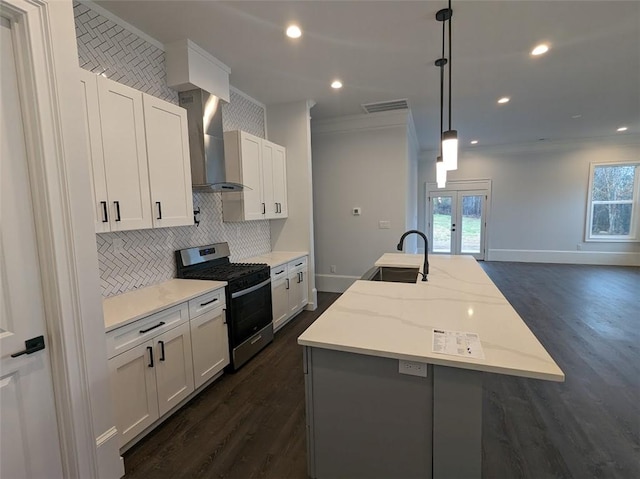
(384, 50)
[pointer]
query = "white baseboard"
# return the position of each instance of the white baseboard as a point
(565, 257)
(333, 283)
(110, 463)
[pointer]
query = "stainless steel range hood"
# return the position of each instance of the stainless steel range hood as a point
(206, 141)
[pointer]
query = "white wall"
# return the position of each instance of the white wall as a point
(539, 198)
(359, 161)
(289, 125)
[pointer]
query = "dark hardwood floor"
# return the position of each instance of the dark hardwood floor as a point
(251, 424)
(588, 319)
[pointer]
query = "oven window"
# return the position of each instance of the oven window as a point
(250, 313)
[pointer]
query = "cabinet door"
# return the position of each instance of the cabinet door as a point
(251, 157)
(267, 179)
(169, 162)
(280, 301)
(295, 292)
(174, 367)
(125, 155)
(280, 181)
(93, 135)
(133, 390)
(304, 289)
(210, 344)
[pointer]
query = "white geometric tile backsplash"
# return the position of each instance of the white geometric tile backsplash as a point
(147, 256)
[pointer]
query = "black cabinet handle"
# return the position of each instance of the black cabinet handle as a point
(209, 302)
(280, 272)
(300, 264)
(161, 343)
(31, 346)
(117, 203)
(301, 278)
(224, 313)
(150, 349)
(105, 215)
(159, 210)
(161, 323)
(264, 208)
(287, 283)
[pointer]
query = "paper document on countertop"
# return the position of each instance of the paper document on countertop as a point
(457, 343)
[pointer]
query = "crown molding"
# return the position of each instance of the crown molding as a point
(362, 121)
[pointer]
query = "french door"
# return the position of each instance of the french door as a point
(457, 222)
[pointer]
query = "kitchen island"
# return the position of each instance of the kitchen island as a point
(365, 418)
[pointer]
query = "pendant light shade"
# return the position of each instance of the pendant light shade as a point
(450, 149)
(441, 173)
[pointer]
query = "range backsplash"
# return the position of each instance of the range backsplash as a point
(147, 256)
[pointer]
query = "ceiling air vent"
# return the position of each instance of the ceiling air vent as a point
(391, 105)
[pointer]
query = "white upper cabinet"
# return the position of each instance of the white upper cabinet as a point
(279, 182)
(261, 166)
(169, 163)
(93, 134)
(139, 157)
(125, 155)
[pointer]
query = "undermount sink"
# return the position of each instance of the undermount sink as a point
(391, 274)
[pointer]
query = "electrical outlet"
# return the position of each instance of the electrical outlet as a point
(332, 268)
(118, 245)
(357, 211)
(579, 246)
(384, 225)
(412, 368)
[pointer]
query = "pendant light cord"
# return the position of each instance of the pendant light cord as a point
(442, 91)
(450, 56)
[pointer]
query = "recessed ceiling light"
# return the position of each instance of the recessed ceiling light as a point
(293, 31)
(336, 84)
(622, 128)
(474, 142)
(540, 49)
(504, 99)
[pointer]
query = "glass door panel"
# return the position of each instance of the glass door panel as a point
(471, 224)
(443, 208)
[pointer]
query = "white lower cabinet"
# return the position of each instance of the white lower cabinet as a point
(289, 290)
(210, 344)
(157, 362)
(174, 367)
(134, 393)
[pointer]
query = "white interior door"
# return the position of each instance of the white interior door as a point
(457, 222)
(29, 444)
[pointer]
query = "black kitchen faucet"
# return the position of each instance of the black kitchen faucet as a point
(425, 269)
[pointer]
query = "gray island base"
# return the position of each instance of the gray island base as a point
(365, 420)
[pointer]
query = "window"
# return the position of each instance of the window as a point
(613, 202)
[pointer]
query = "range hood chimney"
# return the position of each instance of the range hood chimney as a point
(206, 141)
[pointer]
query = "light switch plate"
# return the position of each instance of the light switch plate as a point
(384, 225)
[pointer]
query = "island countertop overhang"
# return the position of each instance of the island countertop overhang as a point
(396, 320)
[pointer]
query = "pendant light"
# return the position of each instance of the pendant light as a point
(441, 173)
(449, 138)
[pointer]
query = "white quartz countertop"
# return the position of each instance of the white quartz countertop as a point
(276, 258)
(128, 307)
(396, 320)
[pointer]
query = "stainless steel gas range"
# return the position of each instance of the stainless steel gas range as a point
(248, 294)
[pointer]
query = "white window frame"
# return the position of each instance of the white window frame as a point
(635, 207)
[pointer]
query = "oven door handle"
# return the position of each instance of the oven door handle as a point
(237, 294)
